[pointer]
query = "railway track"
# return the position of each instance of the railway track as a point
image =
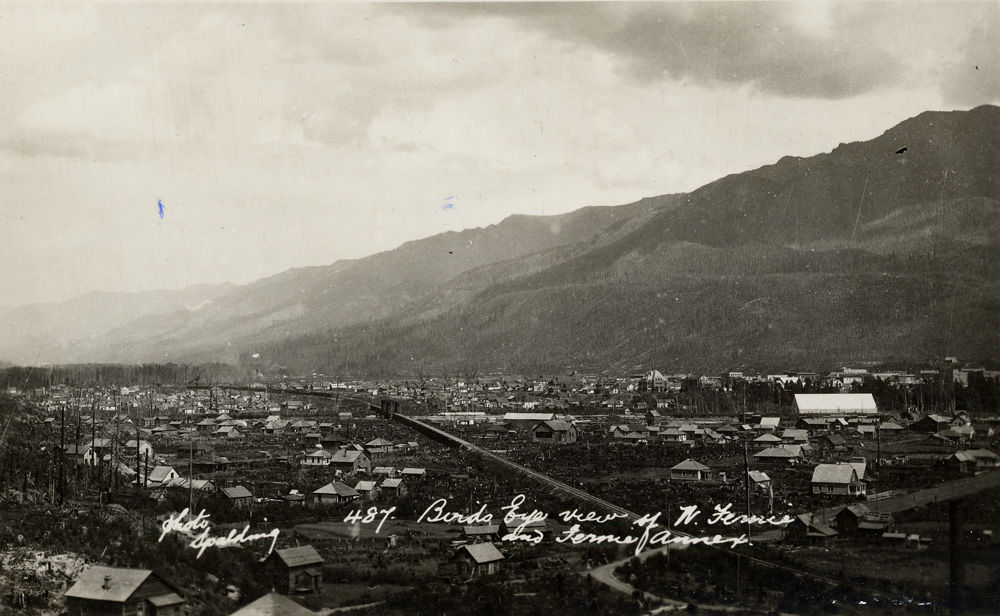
(631, 516)
(581, 495)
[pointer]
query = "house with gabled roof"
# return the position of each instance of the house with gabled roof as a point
(767, 425)
(985, 459)
(161, 475)
(931, 423)
(239, 496)
(350, 461)
(961, 462)
(368, 490)
(394, 486)
(273, 604)
(80, 454)
(795, 436)
(831, 444)
(481, 532)
(807, 527)
(316, 457)
(553, 432)
(634, 438)
(294, 570)
(332, 441)
(476, 559)
(760, 481)
(143, 448)
(183, 483)
(837, 479)
(116, 590)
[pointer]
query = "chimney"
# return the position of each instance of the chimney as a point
(107, 583)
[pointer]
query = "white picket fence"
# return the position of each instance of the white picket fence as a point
(880, 496)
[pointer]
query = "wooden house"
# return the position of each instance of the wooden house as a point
(294, 570)
(831, 444)
(273, 604)
(349, 461)
(689, 470)
(837, 479)
(477, 559)
(482, 532)
(394, 486)
(806, 527)
(240, 497)
(334, 492)
(367, 490)
(112, 590)
(553, 432)
(316, 457)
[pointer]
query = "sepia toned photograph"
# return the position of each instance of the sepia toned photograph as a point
(500, 308)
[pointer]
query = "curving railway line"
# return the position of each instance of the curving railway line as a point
(446, 438)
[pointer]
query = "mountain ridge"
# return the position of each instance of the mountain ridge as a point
(777, 266)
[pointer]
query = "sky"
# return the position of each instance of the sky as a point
(163, 145)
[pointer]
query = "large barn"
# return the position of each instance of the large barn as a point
(835, 404)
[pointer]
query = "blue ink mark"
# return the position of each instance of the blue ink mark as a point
(448, 202)
(159, 204)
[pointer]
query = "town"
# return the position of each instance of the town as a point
(374, 494)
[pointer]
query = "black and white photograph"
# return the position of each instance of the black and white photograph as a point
(500, 308)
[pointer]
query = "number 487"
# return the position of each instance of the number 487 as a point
(370, 516)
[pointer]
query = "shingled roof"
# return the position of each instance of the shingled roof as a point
(273, 604)
(300, 557)
(116, 585)
(335, 487)
(834, 473)
(483, 553)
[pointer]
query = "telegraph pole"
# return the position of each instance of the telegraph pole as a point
(191, 477)
(62, 455)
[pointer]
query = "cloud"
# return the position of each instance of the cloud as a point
(783, 48)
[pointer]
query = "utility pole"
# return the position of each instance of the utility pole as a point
(93, 444)
(138, 420)
(62, 455)
(191, 477)
(746, 477)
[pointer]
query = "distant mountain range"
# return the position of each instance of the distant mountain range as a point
(880, 250)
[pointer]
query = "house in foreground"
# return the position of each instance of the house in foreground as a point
(113, 590)
(273, 604)
(295, 569)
